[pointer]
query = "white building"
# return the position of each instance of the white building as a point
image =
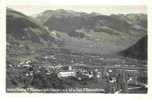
(66, 74)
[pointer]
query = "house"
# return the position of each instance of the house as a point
(66, 74)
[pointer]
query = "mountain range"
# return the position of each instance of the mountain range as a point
(93, 32)
(75, 31)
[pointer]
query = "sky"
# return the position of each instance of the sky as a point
(33, 7)
(106, 10)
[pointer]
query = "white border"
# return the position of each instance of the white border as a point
(88, 96)
(77, 2)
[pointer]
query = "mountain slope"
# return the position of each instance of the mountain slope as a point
(97, 33)
(22, 27)
(25, 37)
(138, 50)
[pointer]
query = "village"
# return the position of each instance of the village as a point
(65, 70)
